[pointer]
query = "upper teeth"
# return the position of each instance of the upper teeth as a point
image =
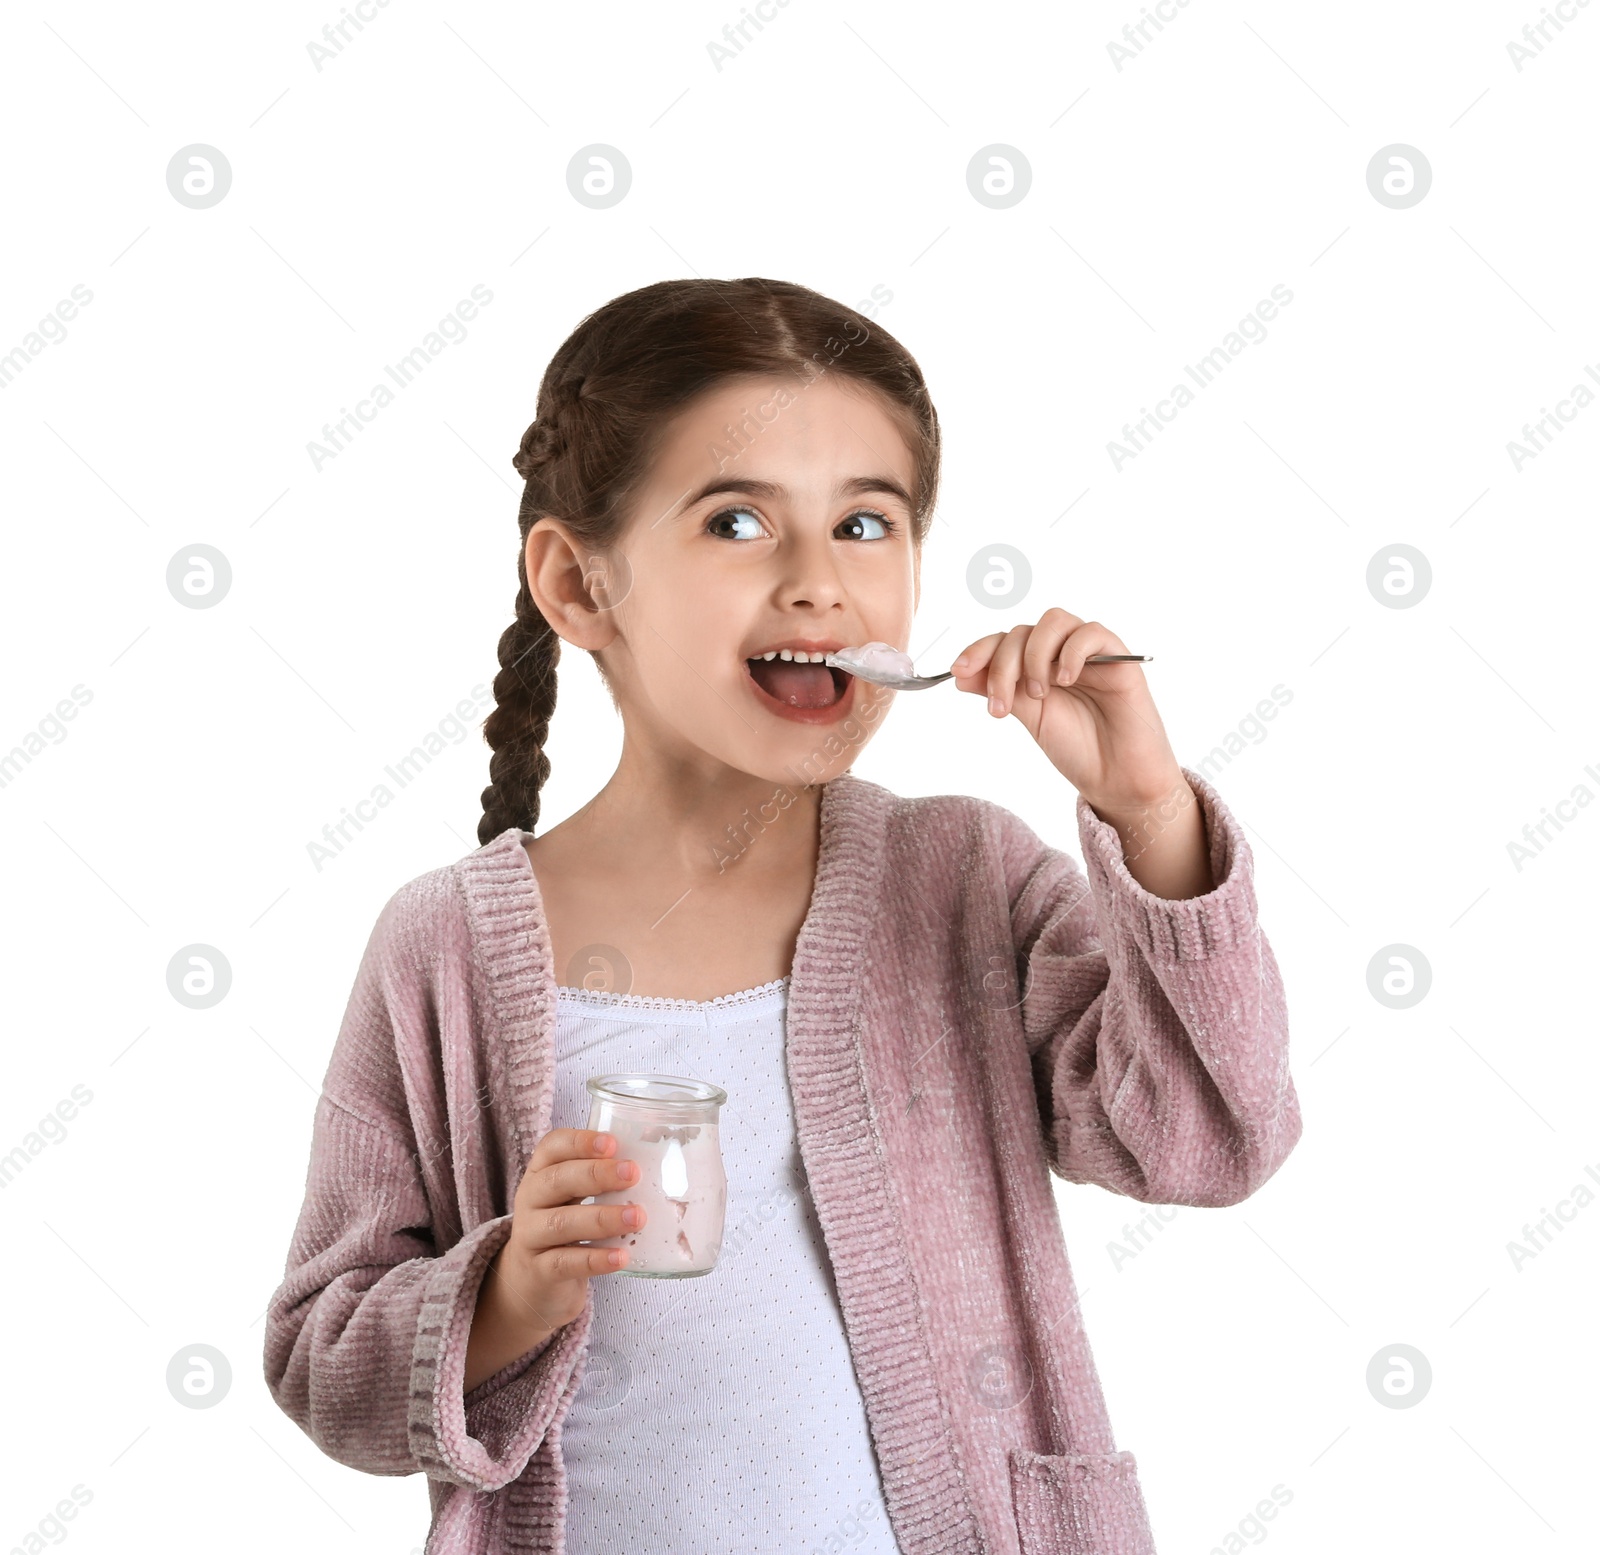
(798, 655)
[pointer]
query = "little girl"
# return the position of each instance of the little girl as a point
(917, 1008)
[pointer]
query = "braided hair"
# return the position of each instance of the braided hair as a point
(525, 687)
(606, 398)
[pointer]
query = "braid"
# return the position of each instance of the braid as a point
(525, 688)
(525, 698)
(546, 440)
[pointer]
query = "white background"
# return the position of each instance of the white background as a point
(1167, 199)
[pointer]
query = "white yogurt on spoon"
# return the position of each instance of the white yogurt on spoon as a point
(874, 657)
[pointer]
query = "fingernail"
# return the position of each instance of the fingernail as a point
(996, 705)
(1035, 689)
(960, 663)
(603, 1143)
(632, 1216)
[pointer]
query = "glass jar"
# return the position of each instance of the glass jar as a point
(668, 1125)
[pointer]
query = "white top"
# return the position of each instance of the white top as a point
(720, 1414)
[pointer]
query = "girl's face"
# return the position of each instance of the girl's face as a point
(778, 514)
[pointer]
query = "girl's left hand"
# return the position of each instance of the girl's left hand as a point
(1097, 722)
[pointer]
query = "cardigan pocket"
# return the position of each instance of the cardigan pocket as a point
(1078, 1503)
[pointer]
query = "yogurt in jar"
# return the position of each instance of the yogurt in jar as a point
(668, 1125)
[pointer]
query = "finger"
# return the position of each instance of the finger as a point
(970, 664)
(1005, 670)
(568, 1144)
(568, 1181)
(569, 1224)
(1090, 637)
(1038, 658)
(579, 1263)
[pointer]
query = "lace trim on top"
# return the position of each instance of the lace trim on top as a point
(650, 1001)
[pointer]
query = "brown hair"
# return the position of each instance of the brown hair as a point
(606, 397)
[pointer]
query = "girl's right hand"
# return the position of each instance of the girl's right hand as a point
(550, 1273)
(538, 1281)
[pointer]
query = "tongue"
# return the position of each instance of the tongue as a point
(800, 685)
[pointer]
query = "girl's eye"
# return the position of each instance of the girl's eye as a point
(743, 523)
(886, 526)
(731, 514)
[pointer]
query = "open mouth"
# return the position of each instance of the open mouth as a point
(800, 686)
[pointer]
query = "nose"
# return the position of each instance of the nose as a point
(808, 575)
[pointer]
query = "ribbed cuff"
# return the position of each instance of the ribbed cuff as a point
(489, 1445)
(1170, 931)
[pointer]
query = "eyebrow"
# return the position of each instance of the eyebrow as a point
(856, 486)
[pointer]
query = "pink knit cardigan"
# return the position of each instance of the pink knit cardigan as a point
(967, 1013)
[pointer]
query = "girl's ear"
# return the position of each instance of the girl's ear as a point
(563, 577)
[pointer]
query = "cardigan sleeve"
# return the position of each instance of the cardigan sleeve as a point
(366, 1337)
(1157, 1029)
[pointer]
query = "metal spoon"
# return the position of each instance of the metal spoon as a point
(922, 682)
